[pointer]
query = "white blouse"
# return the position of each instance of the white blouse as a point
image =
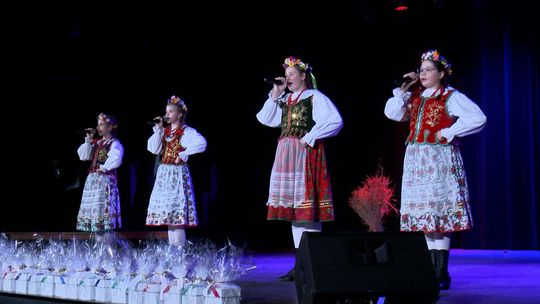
(114, 156)
(470, 119)
(191, 140)
(328, 121)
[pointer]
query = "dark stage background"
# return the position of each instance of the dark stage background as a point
(64, 65)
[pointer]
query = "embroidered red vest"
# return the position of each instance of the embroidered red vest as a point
(427, 116)
(171, 146)
(101, 149)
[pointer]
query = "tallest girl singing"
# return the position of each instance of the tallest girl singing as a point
(299, 184)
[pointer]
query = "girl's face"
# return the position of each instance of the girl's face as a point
(295, 79)
(103, 128)
(172, 113)
(429, 75)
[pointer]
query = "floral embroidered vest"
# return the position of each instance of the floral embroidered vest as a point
(427, 116)
(297, 118)
(101, 149)
(171, 146)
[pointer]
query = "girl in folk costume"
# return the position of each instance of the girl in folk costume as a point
(172, 202)
(299, 184)
(434, 197)
(100, 204)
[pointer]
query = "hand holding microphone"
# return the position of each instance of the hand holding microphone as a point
(407, 81)
(90, 132)
(280, 84)
(399, 82)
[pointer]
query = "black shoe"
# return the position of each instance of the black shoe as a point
(288, 277)
(444, 283)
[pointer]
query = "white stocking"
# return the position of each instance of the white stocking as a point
(439, 241)
(430, 239)
(299, 228)
(177, 235)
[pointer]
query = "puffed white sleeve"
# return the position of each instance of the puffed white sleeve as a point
(154, 142)
(328, 121)
(470, 119)
(396, 106)
(85, 150)
(194, 143)
(270, 114)
(114, 157)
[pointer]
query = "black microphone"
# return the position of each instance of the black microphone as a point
(400, 82)
(157, 120)
(273, 81)
(83, 132)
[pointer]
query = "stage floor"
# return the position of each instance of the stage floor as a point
(478, 276)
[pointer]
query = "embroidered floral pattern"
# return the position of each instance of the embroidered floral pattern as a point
(427, 116)
(171, 145)
(172, 201)
(296, 118)
(433, 114)
(100, 204)
(101, 151)
(435, 196)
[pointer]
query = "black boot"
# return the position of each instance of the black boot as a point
(443, 277)
(433, 255)
(289, 276)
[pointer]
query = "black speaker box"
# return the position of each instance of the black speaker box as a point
(360, 267)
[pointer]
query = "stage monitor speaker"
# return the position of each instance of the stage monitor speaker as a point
(360, 267)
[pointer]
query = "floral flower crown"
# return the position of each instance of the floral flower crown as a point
(174, 100)
(434, 56)
(292, 61)
(108, 119)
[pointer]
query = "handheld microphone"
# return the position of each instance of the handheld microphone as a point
(400, 82)
(273, 81)
(83, 132)
(157, 120)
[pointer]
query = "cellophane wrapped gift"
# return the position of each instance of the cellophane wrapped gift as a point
(222, 293)
(94, 272)
(114, 256)
(110, 270)
(145, 288)
(25, 268)
(121, 279)
(227, 266)
(174, 268)
(53, 266)
(8, 279)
